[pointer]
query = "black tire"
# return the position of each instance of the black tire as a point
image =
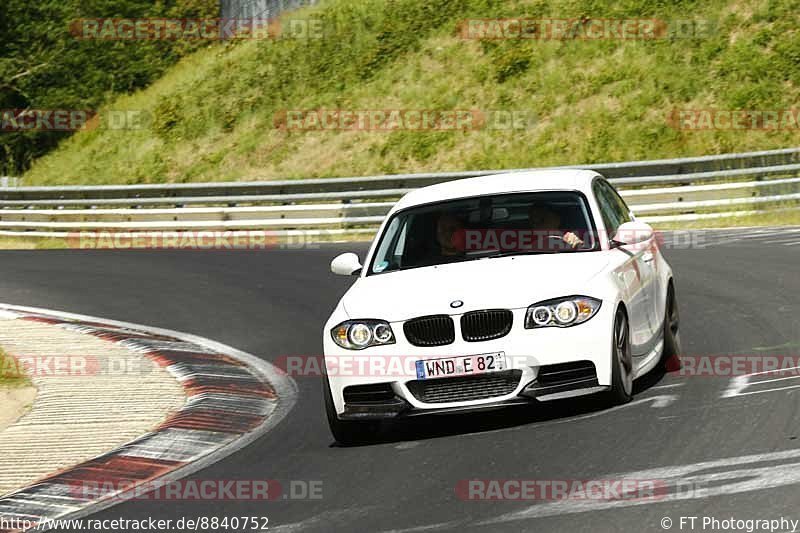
(672, 336)
(621, 362)
(347, 432)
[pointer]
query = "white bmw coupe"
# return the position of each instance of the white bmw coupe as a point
(493, 291)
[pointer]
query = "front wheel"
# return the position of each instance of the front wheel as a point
(622, 362)
(347, 432)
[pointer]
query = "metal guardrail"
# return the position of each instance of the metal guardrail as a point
(662, 190)
(259, 9)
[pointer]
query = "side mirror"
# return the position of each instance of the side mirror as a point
(633, 233)
(346, 264)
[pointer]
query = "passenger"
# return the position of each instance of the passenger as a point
(448, 228)
(547, 221)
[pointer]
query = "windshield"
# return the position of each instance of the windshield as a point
(483, 227)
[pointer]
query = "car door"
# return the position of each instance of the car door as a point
(650, 275)
(637, 273)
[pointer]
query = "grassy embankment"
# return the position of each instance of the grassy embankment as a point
(213, 114)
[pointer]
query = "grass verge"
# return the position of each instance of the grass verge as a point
(766, 218)
(11, 372)
(63, 243)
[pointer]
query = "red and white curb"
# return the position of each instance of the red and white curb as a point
(233, 398)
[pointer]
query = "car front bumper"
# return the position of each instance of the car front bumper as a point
(535, 356)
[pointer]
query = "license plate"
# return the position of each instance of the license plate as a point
(465, 365)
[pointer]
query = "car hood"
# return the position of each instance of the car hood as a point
(504, 282)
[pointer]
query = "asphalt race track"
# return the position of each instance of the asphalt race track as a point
(738, 295)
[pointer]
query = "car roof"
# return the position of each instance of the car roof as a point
(523, 181)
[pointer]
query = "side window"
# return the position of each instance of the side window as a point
(619, 205)
(608, 211)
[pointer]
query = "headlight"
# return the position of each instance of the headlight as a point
(561, 312)
(360, 334)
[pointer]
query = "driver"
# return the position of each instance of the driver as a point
(545, 219)
(447, 232)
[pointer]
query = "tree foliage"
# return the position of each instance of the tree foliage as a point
(44, 66)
